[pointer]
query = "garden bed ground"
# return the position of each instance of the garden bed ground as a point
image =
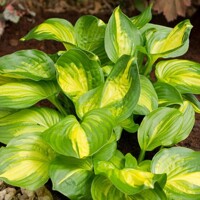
(9, 43)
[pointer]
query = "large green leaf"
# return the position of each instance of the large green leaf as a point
(23, 94)
(28, 64)
(148, 100)
(184, 75)
(72, 177)
(160, 128)
(89, 34)
(167, 94)
(71, 138)
(182, 167)
(25, 162)
(78, 73)
(128, 180)
(121, 36)
(53, 29)
(33, 120)
(119, 93)
(140, 20)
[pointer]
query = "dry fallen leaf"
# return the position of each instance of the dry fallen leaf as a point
(172, 8)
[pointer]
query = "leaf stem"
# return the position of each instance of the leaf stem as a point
(150, 65)
(57, 104)
(141, 156)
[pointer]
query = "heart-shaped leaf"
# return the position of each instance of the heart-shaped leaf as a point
(71, 138)
(28, 64)
(182, 167)
(33, 120)
(25, 162)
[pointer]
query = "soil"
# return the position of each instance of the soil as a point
(9, 43)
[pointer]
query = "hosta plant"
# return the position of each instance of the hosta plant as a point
(97, 88)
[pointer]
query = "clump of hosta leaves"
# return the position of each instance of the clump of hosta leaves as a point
(99, 85)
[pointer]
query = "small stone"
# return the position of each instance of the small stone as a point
(2, 194)
(9, 196)
(13, 42)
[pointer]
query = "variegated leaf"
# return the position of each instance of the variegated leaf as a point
(28, 64)
(182, 167)
(184, 75)
(160, 128)
(32, 120)
(53, 29)
(78, 73)
(23, 94)
(121, 36)
(25, 162)
(165, 44)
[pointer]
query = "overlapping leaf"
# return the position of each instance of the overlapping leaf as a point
(89, 34)
(78, 73)
(188, 121)
(32, 120)
(119, 93)
(121, 36)
(128, 180)
(72, 177)
(160, 128)
(193, 101)
(71, 138)
(148, 100)
(167, 94)
(184, 75)
(28, 64)
(23, 94)
(182, 167)
(25, 162)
